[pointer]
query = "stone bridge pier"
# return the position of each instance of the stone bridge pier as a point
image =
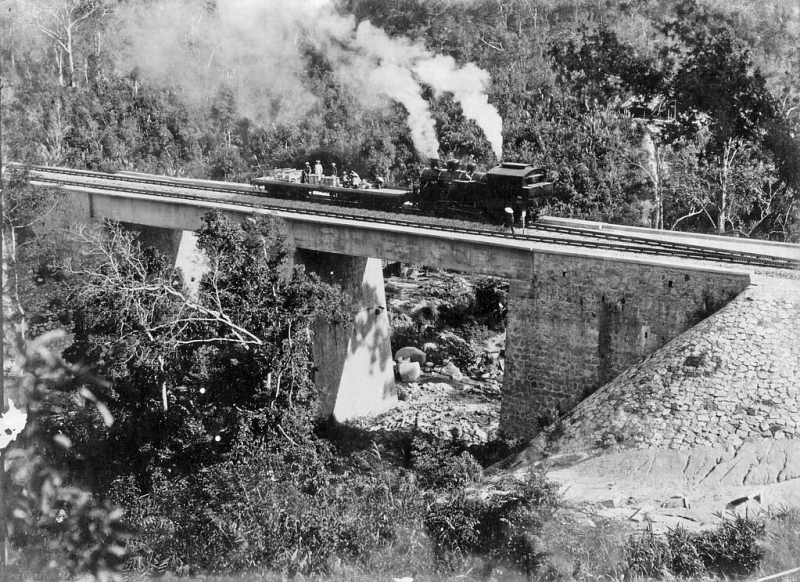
(579, 322)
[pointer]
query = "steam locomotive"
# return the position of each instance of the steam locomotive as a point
(509, 188)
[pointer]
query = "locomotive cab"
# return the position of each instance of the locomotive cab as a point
(540, 189)
(511, 185)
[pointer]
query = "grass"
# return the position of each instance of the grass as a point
(782, 544)
(585, 546)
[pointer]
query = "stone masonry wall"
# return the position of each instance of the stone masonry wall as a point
(729, 380)
(582, 321)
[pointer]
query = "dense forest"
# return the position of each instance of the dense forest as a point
(172, 430)
(680, 115)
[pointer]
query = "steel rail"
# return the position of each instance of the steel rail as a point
(619, 242)
(610, 235)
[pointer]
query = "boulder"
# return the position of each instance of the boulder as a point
(452, 370)
(408, 371)
(410, 354)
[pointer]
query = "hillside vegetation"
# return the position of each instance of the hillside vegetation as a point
(214, 89)
(173, 431)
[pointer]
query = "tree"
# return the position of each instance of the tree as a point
(184, 370)
(23, 205)
(722, 102)
(60, 20)
(46, 509)
(719, 92)
(602, 67)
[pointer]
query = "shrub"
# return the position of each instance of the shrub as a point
(491, 301)
(454, 523)
(731, 549)
(272, 505)
(734, 547)
(449, 347)
(685, 558)
(404, 332)
(647, 555)
(501, 526)
(782, 540)
(442, 466)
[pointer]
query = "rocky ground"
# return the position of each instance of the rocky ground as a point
(443, 402)
(729, 466)
(465, 410)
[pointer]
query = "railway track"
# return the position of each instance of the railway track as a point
(562, 235)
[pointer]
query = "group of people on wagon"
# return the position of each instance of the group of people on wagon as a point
(349, 179)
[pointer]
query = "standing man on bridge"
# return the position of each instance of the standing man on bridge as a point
(508, 222)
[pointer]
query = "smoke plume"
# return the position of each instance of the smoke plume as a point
(255, 48)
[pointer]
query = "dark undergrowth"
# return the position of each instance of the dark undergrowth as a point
(345, 508)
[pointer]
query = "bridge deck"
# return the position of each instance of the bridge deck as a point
(481, 254)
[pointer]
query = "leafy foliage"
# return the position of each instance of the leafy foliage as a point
(211, 394)
(185, 369)
(499, 526)
(50, 515)
(442, 466)
(731, 549)
(276, 507)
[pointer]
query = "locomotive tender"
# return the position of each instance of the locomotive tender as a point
(450, 191)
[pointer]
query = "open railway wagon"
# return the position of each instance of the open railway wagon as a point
(452, 190)
(285, 183)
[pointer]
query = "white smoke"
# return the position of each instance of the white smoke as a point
(245, 45)
(468, 86)
(255, 47)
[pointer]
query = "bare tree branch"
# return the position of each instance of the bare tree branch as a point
(114, 266)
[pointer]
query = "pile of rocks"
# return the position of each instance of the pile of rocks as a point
(469, 413)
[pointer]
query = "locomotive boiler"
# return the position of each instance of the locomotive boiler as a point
(522, 188)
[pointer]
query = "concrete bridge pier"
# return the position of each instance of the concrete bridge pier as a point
(354, 367)
(179, 246)
(355, 371)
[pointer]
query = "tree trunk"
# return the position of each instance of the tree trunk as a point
(653, 169)
(723, 195)
(59, 52)
(728, 154)
(658, 219)
(69, 55)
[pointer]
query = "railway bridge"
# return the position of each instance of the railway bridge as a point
(576, 317)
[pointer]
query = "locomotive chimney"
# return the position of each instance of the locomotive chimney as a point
(453, 165)
(434, 163)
